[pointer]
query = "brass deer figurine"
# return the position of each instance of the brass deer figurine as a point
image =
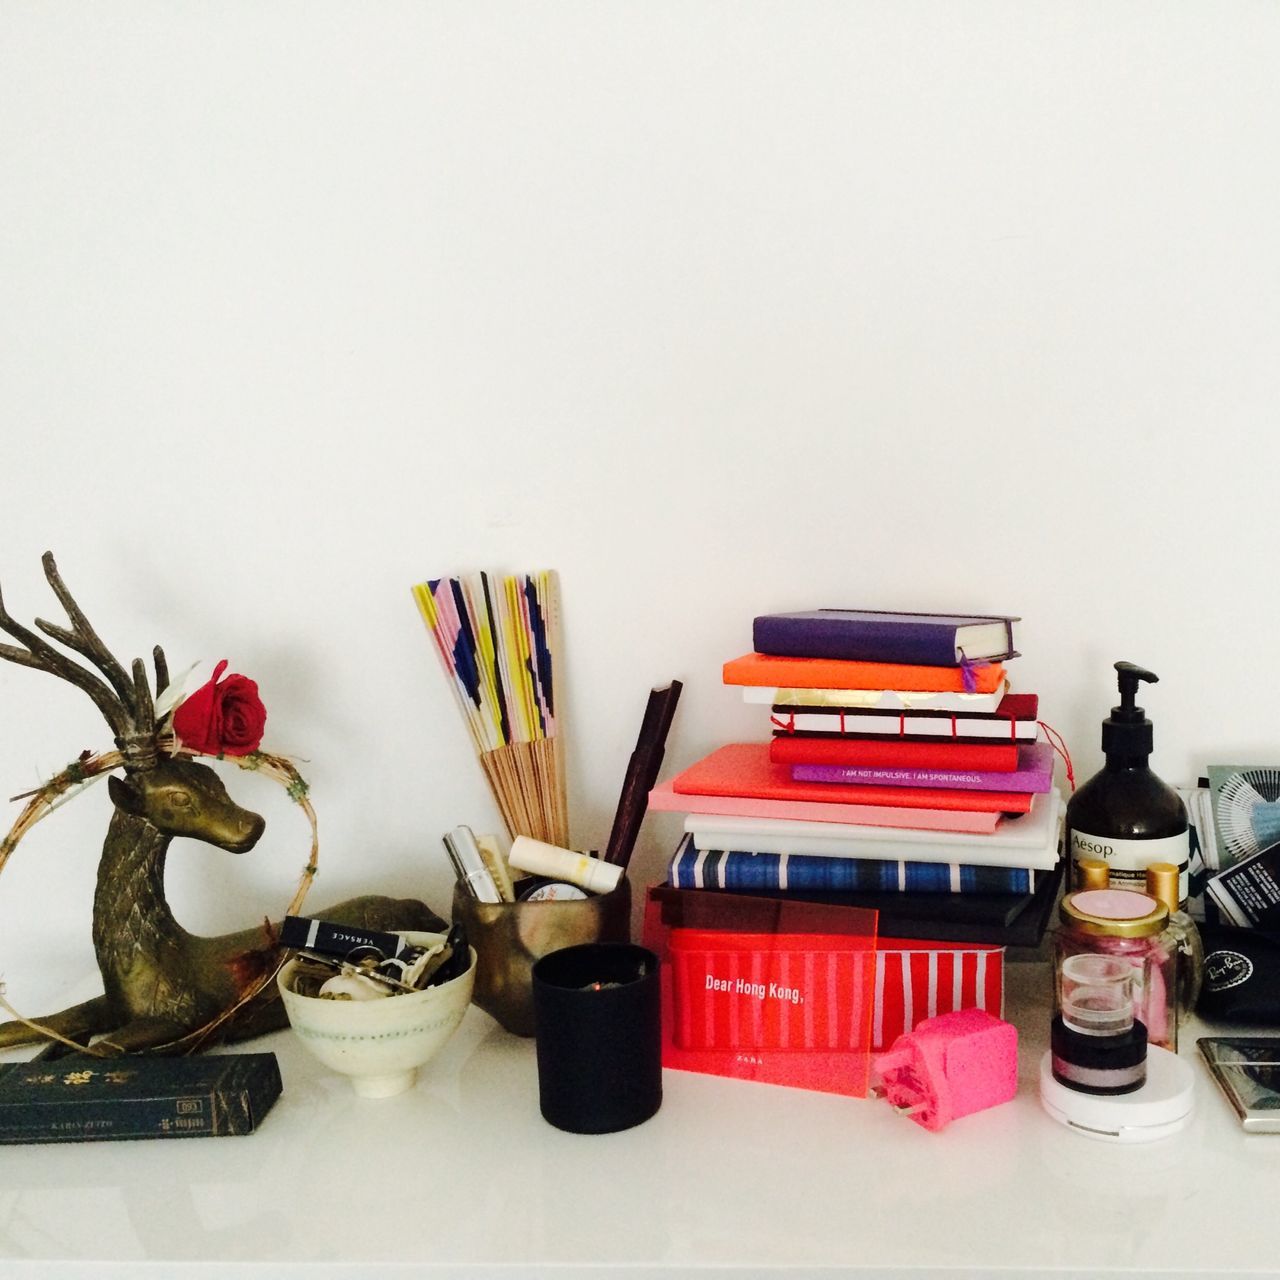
(161, 983)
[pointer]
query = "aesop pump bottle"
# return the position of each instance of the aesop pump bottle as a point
(1124, 814)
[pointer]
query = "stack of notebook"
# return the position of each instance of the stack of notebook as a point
(901, 774)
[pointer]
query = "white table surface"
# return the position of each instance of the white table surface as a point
(462, 1177)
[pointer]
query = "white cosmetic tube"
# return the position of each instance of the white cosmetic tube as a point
(563, 864)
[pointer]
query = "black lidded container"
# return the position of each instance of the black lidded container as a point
(1125, 814)
(1098, 1064)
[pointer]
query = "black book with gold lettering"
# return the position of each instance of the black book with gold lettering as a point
(83, 1099)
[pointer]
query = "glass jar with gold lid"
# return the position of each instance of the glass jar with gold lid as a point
(1125, 926)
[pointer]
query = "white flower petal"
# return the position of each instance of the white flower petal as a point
(174, 694)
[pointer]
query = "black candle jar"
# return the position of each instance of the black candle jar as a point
(597, 1012)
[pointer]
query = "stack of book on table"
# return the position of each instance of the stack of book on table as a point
(902, 774)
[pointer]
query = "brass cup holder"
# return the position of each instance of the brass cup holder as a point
(509, 937)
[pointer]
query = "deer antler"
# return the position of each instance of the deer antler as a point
(162, 670)
(82, 638)
(125, 702)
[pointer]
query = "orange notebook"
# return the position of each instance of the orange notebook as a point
(744, 769)
(832, 673)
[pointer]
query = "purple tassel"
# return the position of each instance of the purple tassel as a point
(968, 673)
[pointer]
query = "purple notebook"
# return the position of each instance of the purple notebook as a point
(1034, 774)
(873, 635)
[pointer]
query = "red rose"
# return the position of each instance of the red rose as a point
(224, 719)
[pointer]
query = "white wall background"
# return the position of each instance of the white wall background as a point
(717, 308)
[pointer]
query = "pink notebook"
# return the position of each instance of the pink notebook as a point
(664, 798)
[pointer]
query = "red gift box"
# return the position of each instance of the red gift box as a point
(795, 1007)
(917, 980)
(768, 991)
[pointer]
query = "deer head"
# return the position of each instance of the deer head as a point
(178, 797)
(183, 798)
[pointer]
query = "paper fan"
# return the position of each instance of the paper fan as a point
(498, 640)
(1248, 813)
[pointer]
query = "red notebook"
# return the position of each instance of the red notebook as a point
(744, 769)
(894, 753)
(1014, 720)
(666, 798)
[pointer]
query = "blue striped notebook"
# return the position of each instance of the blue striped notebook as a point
(694, 868)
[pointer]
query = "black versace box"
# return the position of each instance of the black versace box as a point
(85, 1099)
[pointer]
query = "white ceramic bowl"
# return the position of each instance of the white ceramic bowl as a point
(379, 1044)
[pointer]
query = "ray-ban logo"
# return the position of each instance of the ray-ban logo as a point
(1226, 969)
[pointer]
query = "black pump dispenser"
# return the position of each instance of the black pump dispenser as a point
(1127, 731)
(1124, 814)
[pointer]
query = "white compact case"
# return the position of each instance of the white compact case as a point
(1160, 1108)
